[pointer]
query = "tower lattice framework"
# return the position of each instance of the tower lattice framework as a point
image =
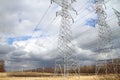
(66, 60)
(105, 41)
(117, 15)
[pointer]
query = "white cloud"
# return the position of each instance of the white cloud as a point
(20, 17)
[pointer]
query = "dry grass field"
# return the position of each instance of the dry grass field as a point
(39, 76)
(48, 76)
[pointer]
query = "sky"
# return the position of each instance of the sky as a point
(28, 38)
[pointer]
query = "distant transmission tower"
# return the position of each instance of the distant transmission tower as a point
(105, 40)
(118, 15)
(66, 59)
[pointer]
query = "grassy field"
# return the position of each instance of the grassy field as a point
(39, 76)
(48, 76)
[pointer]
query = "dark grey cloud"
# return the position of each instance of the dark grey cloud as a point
(4, 50)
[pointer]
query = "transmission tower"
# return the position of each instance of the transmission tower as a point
(104, 39)
(117, 15)
(66, 59)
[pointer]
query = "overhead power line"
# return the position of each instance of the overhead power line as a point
(33, 32)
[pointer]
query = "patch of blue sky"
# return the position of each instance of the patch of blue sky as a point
(91, 22)
(13, 39)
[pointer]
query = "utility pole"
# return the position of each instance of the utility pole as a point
(66, 58)
(104, 36)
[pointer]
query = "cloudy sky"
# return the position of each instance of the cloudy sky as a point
(29, 32)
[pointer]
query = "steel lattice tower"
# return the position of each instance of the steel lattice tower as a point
(117, 15)
(104, 38)
(66, 59)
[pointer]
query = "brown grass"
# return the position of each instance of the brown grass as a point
(49, 76)
(108, 77)
(39, 76)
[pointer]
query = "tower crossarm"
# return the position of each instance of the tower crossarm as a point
(69, 5)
